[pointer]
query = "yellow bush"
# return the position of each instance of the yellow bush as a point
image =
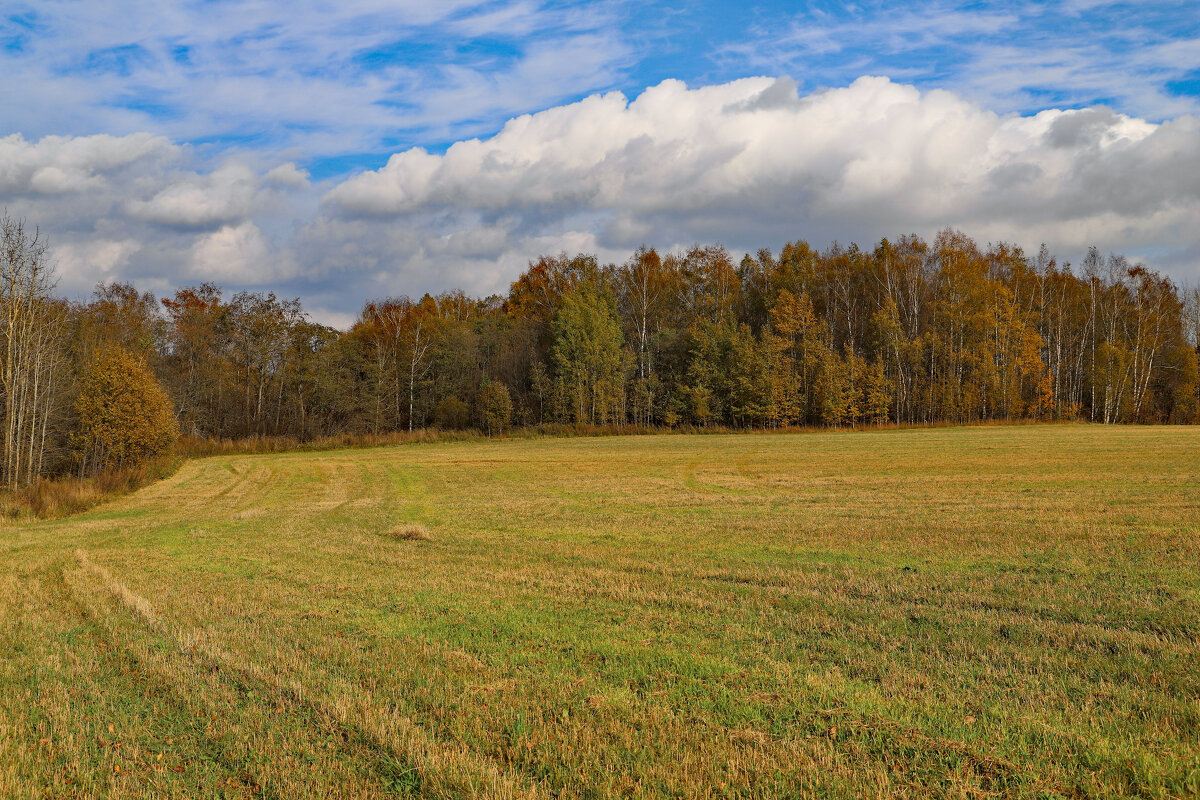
(125, 417)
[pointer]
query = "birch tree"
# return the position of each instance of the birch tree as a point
(31, 328)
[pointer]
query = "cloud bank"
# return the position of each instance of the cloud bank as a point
(750, 163)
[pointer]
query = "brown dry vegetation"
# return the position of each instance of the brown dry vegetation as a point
(410, 532)
(953, 612)
(50, 498)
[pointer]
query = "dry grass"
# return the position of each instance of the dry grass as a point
(51, 498)
(409, 532)
(1007, 612)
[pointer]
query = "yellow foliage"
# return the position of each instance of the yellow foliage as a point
(125, 417)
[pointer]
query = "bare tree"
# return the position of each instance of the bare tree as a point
(31, 332)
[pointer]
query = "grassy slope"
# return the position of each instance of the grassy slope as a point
(956, 612)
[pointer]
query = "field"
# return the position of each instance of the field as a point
(1009, 611)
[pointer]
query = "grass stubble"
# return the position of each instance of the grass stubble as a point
(952, 612)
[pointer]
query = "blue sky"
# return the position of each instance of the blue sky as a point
(245, 129)
(226, 75)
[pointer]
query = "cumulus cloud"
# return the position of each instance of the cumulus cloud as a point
(200, 201)
(750, 163)
(232, 192)
(239, 254)
(63, 164)
(142, 208)
(286, 175)
(94, 261)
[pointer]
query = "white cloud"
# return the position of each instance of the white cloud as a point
(197, 201)
(141, 208)
(332, 77)
(60, 164)
(1004, 54)
(233, 192)
(750, 163)
(238, 254)
(95, 261)
(286, 175)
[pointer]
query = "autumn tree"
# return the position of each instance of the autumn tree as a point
(646, 288)
(710, 288)
(539, 292)
(118, 314)
(451, 413)
(495, 407)
(587, 353)
(124, 416)
(907, 331)
(196, 359)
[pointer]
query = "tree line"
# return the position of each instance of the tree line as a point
(907, 332)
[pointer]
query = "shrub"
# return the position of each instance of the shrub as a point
(495, 407)
(451, 414)
(125, 417)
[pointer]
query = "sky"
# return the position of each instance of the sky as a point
(341, 151)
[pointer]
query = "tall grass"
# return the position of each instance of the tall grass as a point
(53, 497)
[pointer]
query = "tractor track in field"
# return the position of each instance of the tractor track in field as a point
(368, 735)
(125, 658)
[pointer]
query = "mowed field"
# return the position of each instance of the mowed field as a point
(967, 612)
